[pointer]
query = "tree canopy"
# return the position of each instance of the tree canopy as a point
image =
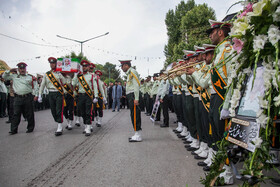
(186, 26)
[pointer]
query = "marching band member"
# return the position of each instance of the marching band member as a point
(54, 82)
(88, 94)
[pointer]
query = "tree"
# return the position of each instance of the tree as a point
(195, 23)
(109, 68)
(186, 27)
(173, 23)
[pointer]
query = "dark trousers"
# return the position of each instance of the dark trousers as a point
(179, 108)
(218, 126)
(174, 105)
(11, 108)
(46, 101)
(23, 105)
(98, 111)
(170, 103)
(164, 106)
(110, 101)
(86, 107)
(57, 106)
(68, 110)
(77, 112)
(197, 117)
(3, 104)
(191, 116)
(149, 103)
(135, 116)
(206, 137)
(141, 102)
(184, 109)
(159, 108)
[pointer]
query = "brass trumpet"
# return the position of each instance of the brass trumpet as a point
(184, 67)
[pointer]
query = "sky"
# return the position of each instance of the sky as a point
(136, 29)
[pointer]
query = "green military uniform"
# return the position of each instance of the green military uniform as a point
(141, 96)
(56, 98)
(154, 92)
(202, 79)
(218, 126)
(189, 110)
(148, 99)
(132, 93)
(69, 95)
(163, 91)
(98, 107)
(85, 101)
(23, 86)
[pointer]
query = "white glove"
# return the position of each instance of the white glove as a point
(95, 100)
(224, 114)
(104, 101)
(40, 100)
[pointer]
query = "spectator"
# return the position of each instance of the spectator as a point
(116, 95)
(3, 98)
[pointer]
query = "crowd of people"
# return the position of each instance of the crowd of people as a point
(195, 91)
(194, 88)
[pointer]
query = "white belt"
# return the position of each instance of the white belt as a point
(53, 90)
(187, 93)
(128, 92)
(195, 95)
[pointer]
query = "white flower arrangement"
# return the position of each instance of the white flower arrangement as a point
(276, 15)
(262, 120)
(277, 101)
(259, 42)
(258, 141)
(273, 34)
(258, 8)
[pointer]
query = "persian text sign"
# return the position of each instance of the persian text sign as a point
(243, 133)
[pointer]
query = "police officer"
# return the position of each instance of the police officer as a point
(154, 93)
(164, 99)
(149, 100)
(54, 81)
(132, 94)
(101, 99)
(88, 94)
(23, 85)
(68, 110)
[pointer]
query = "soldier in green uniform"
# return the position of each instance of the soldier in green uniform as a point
(23, 85)
(163, 92)
(141, 95)
(154, 92)
(219, 77)
(202, 78)
(148, 100)
(189, 115)
(88, 94)
(132, 94)
(101, 99)
(69, 96)
(54, 82)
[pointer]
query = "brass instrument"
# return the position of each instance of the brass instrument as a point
(184, 67)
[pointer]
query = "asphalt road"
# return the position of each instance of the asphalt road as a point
(106, 158)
